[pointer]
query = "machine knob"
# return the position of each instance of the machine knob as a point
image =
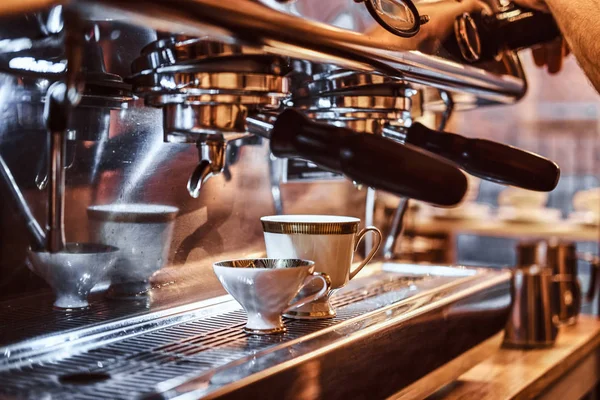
(467, 37)
(481, 36)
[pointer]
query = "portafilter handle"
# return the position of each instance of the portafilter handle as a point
(487, 159)
(373, 160)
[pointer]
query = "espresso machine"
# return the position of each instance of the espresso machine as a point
(141, 141)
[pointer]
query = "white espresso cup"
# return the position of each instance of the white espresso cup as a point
(143, 233)
(265, 288)
(330, 241)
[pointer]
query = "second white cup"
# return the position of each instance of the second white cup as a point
(330, 241)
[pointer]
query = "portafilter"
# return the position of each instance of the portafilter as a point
(373, 103)
(212, 93)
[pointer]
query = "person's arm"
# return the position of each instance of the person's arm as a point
(578, 21)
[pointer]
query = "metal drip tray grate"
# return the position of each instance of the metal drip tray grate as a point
(34, 316)
(137, 364)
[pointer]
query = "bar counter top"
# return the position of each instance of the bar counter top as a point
(497, 228)
(568, 370)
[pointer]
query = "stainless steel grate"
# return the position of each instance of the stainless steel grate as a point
(34, 316)
(135, 365)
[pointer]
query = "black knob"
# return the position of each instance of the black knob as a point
(467, 37)
(373, 160)
(488, 160)
(482, 36)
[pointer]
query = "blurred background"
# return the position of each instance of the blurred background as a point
(558, 118)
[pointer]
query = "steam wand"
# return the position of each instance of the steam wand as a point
(37, 236)
(397, 226)
(61, 96)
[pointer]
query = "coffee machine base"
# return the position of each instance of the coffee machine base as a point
(395, 324)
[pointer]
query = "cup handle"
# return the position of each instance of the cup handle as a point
(315, 296)
(371, 254)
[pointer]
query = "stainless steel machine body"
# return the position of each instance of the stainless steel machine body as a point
(156, 120)
(128, 162)
(199, 350)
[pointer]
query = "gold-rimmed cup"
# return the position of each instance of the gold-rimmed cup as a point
(265, 288)
(329, 240)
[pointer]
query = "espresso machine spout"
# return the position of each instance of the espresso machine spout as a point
(212, 162)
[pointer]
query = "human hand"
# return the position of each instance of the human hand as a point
(549, 54)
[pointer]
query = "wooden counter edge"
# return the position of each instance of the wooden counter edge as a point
(449, 372)
(575, 345)
(560, 368)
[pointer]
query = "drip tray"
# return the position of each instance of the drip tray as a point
(395, 324)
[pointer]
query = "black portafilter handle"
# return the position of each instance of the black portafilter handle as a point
(372, 160)
(488, 160)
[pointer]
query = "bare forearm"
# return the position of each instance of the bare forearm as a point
(578, 20)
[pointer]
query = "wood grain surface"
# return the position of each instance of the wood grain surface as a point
(567, 370)
(495, 228)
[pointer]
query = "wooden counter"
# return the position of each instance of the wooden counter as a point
(568, 370)
(450, 229)
(494, 227)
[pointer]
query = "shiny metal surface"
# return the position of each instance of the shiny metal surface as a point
(201, 352)
(212, 161)
(533, 321)
(187, 123)
(350, 104)
(532, 252)
(399, 17)
(55, 237)
(467, 38)
(37, 235)
(315, 42)
(128, 162)
(339, 347)
(562, 258)
(330, 79)
(373, 50)
(207, 89)
(396, 229)
(367, 103)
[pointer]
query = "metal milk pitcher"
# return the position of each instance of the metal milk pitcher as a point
(561, 257)
(533, 320)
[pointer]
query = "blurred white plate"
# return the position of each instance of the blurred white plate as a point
(529, 215)
(587, 218)
(465, 211)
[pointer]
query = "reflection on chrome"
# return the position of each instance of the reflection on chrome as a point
(30, 64)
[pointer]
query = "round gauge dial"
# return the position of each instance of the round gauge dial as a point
(399, 17)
